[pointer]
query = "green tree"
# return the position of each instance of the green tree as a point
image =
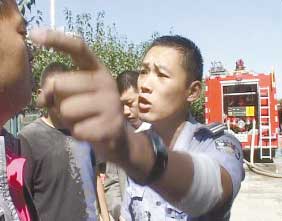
(27, 6)
(198, 107)
(115, 51)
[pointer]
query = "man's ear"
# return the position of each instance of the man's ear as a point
(194, 91)
(39, 91)
(44, 110)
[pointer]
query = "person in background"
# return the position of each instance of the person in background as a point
(127, 87)
(60, 169)
(115, 177)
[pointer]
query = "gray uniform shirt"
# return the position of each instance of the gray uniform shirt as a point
(143, 204)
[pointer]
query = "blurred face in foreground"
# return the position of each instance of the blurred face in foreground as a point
(15, 71)
(129, 99)
(162, 84)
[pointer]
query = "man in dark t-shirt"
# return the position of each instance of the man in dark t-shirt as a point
(59, 173)
(59, 169)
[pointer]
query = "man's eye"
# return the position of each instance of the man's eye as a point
(22, 31)
(160, 74)
(129, 103)
(143, 71)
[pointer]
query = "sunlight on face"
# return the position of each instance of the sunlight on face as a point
(162, 84)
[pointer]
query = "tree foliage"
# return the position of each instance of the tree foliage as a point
(115, 51)
(26, 6)
(197, 108)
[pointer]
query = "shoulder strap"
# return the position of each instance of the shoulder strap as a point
(216, 128)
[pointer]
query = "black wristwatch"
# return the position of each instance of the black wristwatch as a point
(161, 157)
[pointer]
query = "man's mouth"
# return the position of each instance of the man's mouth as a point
(143, 104)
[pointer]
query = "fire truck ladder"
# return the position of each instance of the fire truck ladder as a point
(265, 135)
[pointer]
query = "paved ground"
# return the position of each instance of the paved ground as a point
(260, 198)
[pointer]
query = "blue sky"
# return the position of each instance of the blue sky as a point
(224, 30)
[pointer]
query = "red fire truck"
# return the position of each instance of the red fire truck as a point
(246, 102)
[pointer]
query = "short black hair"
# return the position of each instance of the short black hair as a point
(127, 79)
(192, 58)
(52, 69)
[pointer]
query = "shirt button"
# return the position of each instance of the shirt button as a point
(168, 210)
(158, 203)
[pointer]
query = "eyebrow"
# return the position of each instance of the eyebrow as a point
(156, 66)
(145, 65)
(159, 66)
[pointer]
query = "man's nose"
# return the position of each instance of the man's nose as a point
(146, 85)
(126, 111)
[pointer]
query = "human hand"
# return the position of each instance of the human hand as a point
(87, 99)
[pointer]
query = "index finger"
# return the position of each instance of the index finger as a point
(75, 47)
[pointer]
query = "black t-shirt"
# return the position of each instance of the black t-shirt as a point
(59, 173)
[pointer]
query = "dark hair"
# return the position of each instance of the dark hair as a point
(192, 58)
(127, 79)
(50, 70)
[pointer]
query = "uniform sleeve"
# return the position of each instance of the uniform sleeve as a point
(227, 151)
(26, 152)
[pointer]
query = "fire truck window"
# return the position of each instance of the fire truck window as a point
(240, 104)
(240, 88)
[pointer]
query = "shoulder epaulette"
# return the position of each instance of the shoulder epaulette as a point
(216, 128)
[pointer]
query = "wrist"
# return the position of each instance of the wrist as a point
(155, 164)
(140, 157)
(143, 156)
(160, 158)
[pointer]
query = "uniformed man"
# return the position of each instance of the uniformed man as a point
(187, 172)
(171, 64)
